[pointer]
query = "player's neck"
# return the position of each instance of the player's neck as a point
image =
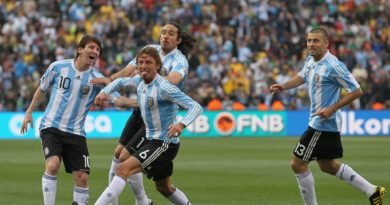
(166, 52)
(320, 57)
(149, 80)
(80, 66)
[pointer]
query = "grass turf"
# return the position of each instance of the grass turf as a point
(210, 171)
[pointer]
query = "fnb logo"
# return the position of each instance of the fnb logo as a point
(224, 123)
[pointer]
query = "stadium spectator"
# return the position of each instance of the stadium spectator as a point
(155, 155)
(62, 127)
(325, 76)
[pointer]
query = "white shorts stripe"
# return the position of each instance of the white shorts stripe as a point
(155, 154)
(312, 144)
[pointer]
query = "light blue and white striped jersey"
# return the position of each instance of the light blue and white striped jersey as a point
(158, 102)
(71, 96)
(325, 79)
(174, 61)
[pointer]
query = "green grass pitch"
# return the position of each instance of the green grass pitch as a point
(245, 171)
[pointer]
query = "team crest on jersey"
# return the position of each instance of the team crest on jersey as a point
(85, 89)
(317, 78)
(150, 101)
(163, 71)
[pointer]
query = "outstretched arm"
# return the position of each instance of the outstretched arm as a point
(124, 102)
(292, 83)
(125, 72)
(111, 91)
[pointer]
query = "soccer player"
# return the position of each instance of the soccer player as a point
(325, 76)
(173, 48)
(62, 126)
(157, 100)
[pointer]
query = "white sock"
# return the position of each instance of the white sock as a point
(111, 174)
(179, 198)
(114, 165)
(347, 174)
(49, 189)
(136, 184)
(81, 195)
(306, 187)
(112, 191)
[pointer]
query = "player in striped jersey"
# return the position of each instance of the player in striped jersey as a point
(157, 100)
(325, 76)
(62, 126)
(173, 48)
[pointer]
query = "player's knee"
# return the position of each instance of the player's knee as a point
(122, 171)
(293, 165)
(52, 167)
(297, 167)
(80, 178)
(118, 151)
(124, 155)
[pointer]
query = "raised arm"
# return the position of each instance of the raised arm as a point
(112, 89)
(124, 102)
(125, 72)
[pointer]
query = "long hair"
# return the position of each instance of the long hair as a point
(87, 39)
(187, 41)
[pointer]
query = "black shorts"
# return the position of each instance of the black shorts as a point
(156, 157)
(71, 148)
(133, 125)
(137, 141)
(318, 145)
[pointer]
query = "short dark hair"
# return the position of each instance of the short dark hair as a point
(149, 50)
(321, 30)
(86, 39)
(187, 41)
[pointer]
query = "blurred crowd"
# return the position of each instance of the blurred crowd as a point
(242, 46)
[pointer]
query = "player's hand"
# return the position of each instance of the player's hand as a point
(101, 99)
(325, 113)
(103, 81)
(276, 88)
(27, 119)
(175, 130)
(134, 73)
